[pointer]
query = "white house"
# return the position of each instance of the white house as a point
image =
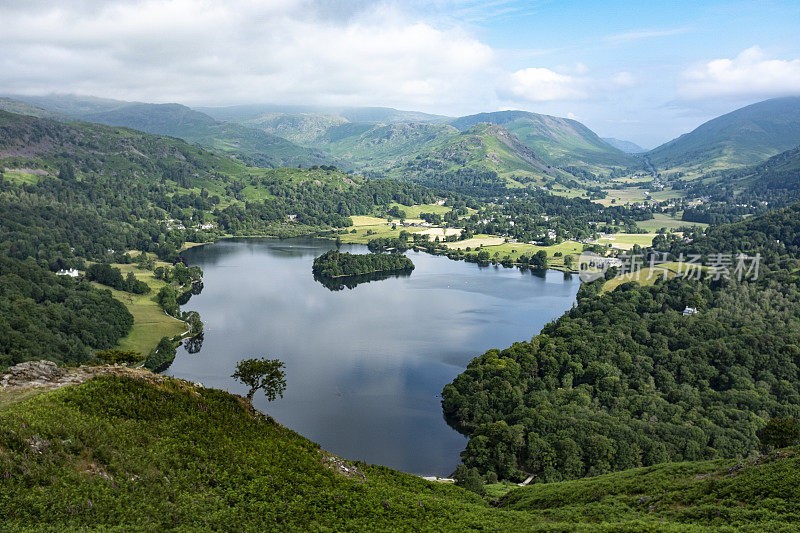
(72, 272)
(690, 311)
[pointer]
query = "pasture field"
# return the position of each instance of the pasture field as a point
(662, 220)
(626, 241)
(150, 322)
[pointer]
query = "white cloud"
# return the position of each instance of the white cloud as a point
(623, 79)
(636, 35)
(751, 73)
(199, 51)
(538, 84)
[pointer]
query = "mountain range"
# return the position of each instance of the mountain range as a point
(254, 147)
(521, 148)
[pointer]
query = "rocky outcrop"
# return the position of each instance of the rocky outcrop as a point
(49, 375)
(32, 373)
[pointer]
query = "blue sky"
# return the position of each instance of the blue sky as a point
(655, 42)
(643, 71)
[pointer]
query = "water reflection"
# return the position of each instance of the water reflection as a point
(365, 368)
(351, 282)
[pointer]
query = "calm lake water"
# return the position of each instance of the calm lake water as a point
(365, 366)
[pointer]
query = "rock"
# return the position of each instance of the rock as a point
(32, 373)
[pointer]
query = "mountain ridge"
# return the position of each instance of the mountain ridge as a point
(745, 136)
(252, 146)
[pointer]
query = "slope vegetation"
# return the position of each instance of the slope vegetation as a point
(144, 452)
(624, 379)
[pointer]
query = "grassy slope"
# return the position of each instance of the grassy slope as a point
(559, 141)
(754, 495)
(484, 146)
(121, 453)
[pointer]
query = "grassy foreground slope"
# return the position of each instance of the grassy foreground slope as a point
(121, 453)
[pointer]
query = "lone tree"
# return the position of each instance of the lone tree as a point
(263, 374)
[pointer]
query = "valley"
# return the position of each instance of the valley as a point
(582, 384)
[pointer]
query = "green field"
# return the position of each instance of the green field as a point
(150, 322)
(626, 241)
(662, 220)
(364, 234)
(413, 211)
(514, 250)
(647, 276)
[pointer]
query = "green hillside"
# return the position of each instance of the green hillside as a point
(558, 141)
(485, 159)
(378, 139)
(257, 148)
(301, 128)
(743, 137)
(779, 172)
(382, 145)
(142, 452)
(734, 193)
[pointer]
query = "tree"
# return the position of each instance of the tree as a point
(263, 374)
(470, 479)
(781, 432)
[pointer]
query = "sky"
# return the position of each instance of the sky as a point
(635, 70)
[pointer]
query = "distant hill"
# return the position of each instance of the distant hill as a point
(743, 137)
(24, 108)
(372, 137)
(374, 115)
(253, 147)
(626, 146)
(558, 141)
(483, 160)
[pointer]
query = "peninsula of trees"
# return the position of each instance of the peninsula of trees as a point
(336, 264)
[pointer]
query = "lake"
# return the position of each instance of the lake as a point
(365, 366)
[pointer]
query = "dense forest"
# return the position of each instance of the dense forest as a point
(336, 264)
(624, 379)
(45, 316)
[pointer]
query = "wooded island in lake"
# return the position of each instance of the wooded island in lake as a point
(336, 264)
